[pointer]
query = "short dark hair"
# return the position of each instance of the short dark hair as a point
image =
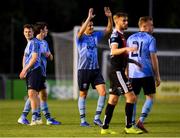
(29, 26)
(38, 26)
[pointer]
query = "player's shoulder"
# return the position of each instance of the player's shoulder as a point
(114, 34)
(44, 42)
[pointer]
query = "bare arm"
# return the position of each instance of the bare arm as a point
(109, 27)
(49, 56)
(85, 24)
(27, 67)
(155, 65)
(23, 61)
(118, 51)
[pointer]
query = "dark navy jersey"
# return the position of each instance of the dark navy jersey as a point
(118, 62)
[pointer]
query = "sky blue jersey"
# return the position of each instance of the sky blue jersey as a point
(32, 47)
(44, 48)
(87, 50)
(146, 45)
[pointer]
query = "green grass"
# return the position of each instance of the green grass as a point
(164, 120)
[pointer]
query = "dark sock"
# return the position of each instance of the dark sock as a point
(129, 112)
(108, 115)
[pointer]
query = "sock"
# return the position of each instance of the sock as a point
(45, 110)
(146, 109)
(82, 108)
(129, 112)
(108, 115)
(34, 114)
(100, 106)
(39, 112)
(134, 115)
(27, 108)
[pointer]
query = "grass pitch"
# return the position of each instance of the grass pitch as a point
(163, 121)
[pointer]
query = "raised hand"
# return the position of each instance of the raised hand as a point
(107, 11)
(90, 14)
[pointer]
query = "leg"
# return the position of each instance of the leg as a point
(45, 108)
(33, 96)
(82, 107)
(113, 99)
(100, 104)
(130, 100)
(145, 111)
(26, 110)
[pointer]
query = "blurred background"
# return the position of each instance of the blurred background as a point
(62, 17)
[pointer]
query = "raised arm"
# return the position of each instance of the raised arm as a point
(109, 27)
(85, 24)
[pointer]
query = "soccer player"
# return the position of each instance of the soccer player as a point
(119, 84)
(88, 68)
(32, 71)
(146, 77)
(41, 31)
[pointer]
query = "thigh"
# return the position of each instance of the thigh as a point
(119, 83)
(97, 78)
(149, 85)
(83, 80)
(33, 79)
(136, 85)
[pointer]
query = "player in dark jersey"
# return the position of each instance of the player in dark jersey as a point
(88, 67)
(147, 77)
(119, 84)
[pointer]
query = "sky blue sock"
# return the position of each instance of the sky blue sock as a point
(34, 114)
(82, 108)
(45, 109)
(100, 106)
(146, 109)
(134, 114)
(27, 108)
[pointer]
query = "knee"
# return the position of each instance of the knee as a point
(43, 97)
(113, 101)
(83, 94)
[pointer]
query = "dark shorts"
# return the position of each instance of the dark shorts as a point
(147, 83)
(34, 79)
(119, 83)
(87, 77)
(43, 83)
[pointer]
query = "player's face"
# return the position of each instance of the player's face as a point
(148, 26)
(123, 23)
(44, 32)
(90, 27)
(28, 33)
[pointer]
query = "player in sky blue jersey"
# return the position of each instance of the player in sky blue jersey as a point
(41, 32)
(146, 77)
(88, 67)
(32, 70)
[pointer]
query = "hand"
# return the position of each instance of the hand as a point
(107, 12)
(22, 75)
(90, 14)
(158, 81)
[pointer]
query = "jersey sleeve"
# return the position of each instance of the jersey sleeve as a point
(114, 39)
(152, 46)
(35, 47)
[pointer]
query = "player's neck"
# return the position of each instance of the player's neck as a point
(40, 37)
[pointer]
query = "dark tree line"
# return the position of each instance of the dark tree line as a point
(63, 15)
